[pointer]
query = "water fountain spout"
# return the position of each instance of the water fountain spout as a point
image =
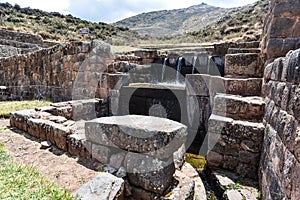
(180, 59)
(164, 69)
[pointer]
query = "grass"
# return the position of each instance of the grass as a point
(18, 181)
(6, 107)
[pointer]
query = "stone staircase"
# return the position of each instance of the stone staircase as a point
(235, 128)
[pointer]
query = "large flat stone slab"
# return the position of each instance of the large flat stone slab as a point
(103, 187)
(136, 133)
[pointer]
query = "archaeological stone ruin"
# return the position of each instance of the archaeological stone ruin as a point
(139, 112)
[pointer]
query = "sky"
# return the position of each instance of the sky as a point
(113, 10)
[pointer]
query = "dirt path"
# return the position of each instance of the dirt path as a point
(66, 171)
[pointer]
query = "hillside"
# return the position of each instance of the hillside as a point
(196, 24)
(201, 23)
(173, 22)
(59, 27)
(244, 23)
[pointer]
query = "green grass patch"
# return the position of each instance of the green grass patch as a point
(198, 162)
(10, 106)
(23, 182)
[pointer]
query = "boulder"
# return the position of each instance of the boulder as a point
(103, 187)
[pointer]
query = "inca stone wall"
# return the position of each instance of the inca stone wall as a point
(282, 29)
(56, 73)
(280, 161)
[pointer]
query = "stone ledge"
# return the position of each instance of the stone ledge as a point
(239, 108)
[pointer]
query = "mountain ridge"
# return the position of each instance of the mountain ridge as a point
(173, 22)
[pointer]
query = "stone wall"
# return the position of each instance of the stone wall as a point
(280, 161)
(281, 29)
(21, 37)
(56, 73)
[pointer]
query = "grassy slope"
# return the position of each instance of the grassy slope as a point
(9, 106)
(58, 27)
(23, 182)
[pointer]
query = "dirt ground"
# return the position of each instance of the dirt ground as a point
(66, 171)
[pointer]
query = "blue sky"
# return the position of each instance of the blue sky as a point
(113, 10)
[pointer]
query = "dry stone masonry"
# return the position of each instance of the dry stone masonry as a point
(280, 162)
(246, 121)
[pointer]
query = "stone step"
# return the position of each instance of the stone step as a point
(234, 145)
(239, 108)
(230, 186)
(243, 65)
(206, 85)
(243, 50)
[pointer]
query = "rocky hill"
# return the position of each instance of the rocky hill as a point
(173, 22)
(201, 22)
(244, 23)
(56, 26)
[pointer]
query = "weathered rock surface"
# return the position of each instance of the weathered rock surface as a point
(103, 187)
(149, 173)
(243, 64)
(145, 134)
(190, 185)
(281, 30)
(240, 108)
(280, 160)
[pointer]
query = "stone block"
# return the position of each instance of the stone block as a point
(60, 136)
(116, 160)
(237, 107)
(149, 173)
(243, 87)
(282, 27)
(101, 153)
(293, 70)
(243, 64)
(199, 110)
(268, 72)
(214, 159)
(197, 85)
(19, 119)
(277, 47)
(78, 146)
(116, 81)
(42, 129)
(159, 137)
(286, 9)
(103, 187)
(277, 69)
